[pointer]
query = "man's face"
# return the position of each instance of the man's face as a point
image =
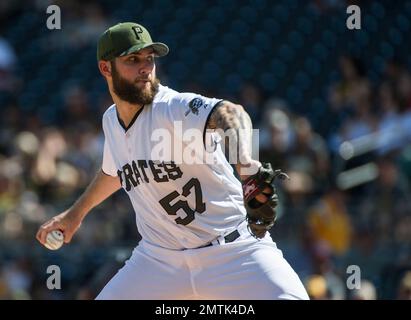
(134, 77)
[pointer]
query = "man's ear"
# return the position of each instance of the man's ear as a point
(105, 68)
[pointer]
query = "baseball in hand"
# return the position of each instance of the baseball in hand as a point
(54, 240)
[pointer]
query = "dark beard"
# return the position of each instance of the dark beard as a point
(129, 92)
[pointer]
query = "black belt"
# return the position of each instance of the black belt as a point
(228, 238)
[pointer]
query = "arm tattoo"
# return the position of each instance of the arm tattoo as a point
(233, 123)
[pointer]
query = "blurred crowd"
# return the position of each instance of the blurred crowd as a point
(345, 205)
(350, 208)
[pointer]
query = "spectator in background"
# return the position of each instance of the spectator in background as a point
(366, 291)
(344, 96)
(308, 156)
(386, 202)
(85, 145)
(353, 85)
(52, 148)
(398, 78)
(323, 264)
(330, 222)
(77, 109)
(316, 287)
(17, 278)
(404, 290)
(11, 188)
(11, 123)
(390, 138)
(362, 122)
(276, 133)
(367, 253)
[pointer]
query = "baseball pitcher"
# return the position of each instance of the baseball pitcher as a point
(203, 221)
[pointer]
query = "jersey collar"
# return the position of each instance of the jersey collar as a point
(132, 120)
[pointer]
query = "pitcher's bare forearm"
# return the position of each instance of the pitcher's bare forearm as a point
(99, 189)
(237, 126)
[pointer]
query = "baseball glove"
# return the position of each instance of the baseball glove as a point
(261, 216)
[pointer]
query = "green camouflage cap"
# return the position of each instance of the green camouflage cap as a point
(125, 38)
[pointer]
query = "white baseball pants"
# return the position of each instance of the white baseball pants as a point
(246, 269)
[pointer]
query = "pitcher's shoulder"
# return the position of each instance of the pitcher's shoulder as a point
(109, 114)
(164, 95)
(167, 97)
(110, 111)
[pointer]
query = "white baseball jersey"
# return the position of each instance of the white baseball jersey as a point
(178, 204)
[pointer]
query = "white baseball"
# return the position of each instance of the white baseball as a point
(54, 240)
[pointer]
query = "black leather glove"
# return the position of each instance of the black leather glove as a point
(261, 216)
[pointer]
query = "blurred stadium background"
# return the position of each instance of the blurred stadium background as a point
(333, 107)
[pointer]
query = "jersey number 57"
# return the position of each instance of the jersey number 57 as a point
(193, 185)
